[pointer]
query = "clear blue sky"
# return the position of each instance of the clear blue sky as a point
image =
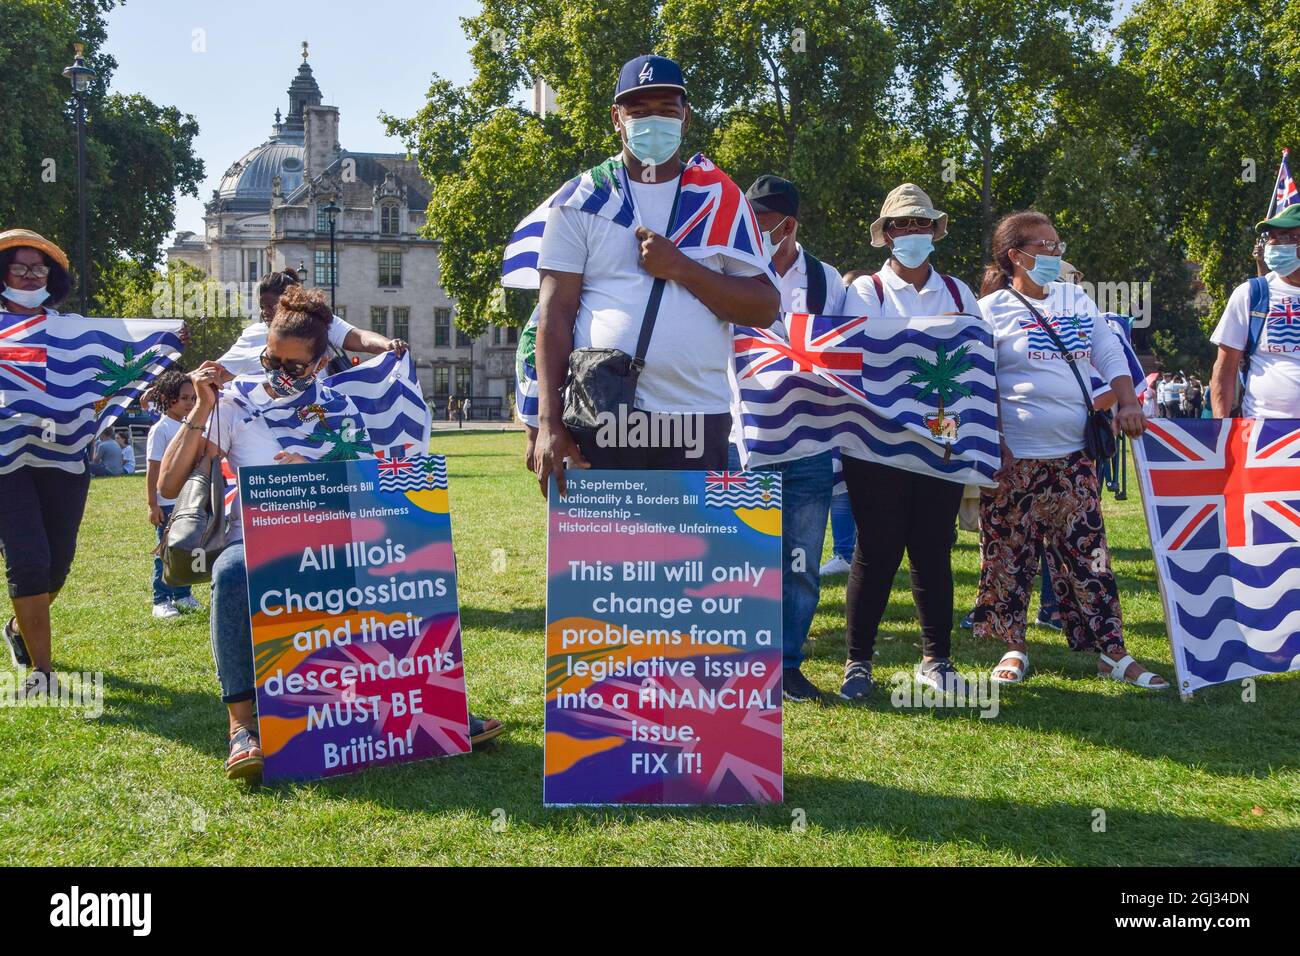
(367, 56)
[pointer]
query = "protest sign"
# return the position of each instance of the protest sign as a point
(663, 638)
(356, 627)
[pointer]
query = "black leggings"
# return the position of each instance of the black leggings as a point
(897, 510)
(40, 514)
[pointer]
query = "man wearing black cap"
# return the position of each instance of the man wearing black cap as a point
(598, 265)
(806, 285)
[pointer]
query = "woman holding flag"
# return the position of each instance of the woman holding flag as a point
(1048, 493)
(63, 380)
(248, 431)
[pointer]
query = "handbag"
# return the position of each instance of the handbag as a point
(601, 382)
(197, 531)
(1098, 431)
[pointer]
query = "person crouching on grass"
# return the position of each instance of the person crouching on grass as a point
(173, 393)
(296, 352)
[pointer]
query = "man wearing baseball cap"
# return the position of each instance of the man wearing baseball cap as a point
(806, 285)
(606, 271)
(1254, 348)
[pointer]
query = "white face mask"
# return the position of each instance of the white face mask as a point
(27, 298)
(770, 247)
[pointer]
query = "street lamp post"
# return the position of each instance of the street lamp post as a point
(332, 211)
(80, 76)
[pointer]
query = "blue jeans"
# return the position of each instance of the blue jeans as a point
(844, 533)
(161, 590)
(1046, 599)
(805, 505)
(232, 635)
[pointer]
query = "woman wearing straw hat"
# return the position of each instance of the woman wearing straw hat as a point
(41, 503)
(897, 510)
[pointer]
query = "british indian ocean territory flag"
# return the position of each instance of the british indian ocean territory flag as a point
(1222, 501)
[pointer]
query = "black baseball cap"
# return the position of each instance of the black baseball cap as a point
(649, 72)
(774, 194)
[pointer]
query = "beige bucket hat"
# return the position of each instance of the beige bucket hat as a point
(908, 199)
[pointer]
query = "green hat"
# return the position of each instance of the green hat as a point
(1288, 218)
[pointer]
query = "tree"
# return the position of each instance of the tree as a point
(791, 87)
(138, 154)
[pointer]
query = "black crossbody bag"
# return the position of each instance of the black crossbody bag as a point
(599, 381)
(1098, 431)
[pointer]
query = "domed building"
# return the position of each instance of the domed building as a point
(271, 211)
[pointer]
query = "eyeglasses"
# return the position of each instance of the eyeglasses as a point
(18, 270)
(910, 222)
(292, 369)
(1050, 246)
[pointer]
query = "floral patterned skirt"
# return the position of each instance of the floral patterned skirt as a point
(1053, 504)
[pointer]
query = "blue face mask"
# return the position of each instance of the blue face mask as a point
(1282, 259)
(653, 139)
(1046, 269)
(912, 250)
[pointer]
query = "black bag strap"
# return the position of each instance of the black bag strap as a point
(816, 299)
(656, 291)
(1056, 340)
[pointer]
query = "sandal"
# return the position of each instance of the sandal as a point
(483, 729)
(1118, 669)
(1015, 661)
(245, 760)
(18, 652)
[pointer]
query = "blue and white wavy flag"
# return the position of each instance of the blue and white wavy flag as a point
(526, 373)
(914, 393)
(386, 391)
(65, 378)
(1222, 502)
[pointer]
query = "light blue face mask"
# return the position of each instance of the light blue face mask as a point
(1282, 259)
(913, 249)
(653, 139)
(1046, 269)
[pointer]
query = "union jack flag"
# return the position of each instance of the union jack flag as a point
(713, 217)
(399, 472)
(22, 350)
(1222, 499)
(1284, 192)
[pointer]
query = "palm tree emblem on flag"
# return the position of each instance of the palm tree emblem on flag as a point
(940, 378)
(344, 445)
(117, 377)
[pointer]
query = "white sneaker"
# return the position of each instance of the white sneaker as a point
(836, 565)
(165, 611)
(187, 603)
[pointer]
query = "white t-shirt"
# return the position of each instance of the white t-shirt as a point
(904, 299)
(1043, 413)
(1273, 386)
(160, 436)
(242, 357)
(128, 459)
(244, 443)
(690, 349)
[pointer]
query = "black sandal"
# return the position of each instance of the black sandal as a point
(245, 760)
(18, 652)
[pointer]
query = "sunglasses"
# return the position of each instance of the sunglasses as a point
(18, 270)
(292, 369)
(1050, 246)
(911, 222)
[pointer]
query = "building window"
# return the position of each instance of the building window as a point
(512, 335)
(342, 312)
(389, 220)
(326, 268)
(464, 378)
(441, 328)
(379, 319)
(252, 271)
(322, 219)
(401, 323)
(496, 335)
(441, 379)
(463, 341)
(390, 268)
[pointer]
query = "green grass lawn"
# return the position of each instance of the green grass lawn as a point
(1213, 781)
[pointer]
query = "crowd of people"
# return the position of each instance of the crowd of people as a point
(607, 286)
